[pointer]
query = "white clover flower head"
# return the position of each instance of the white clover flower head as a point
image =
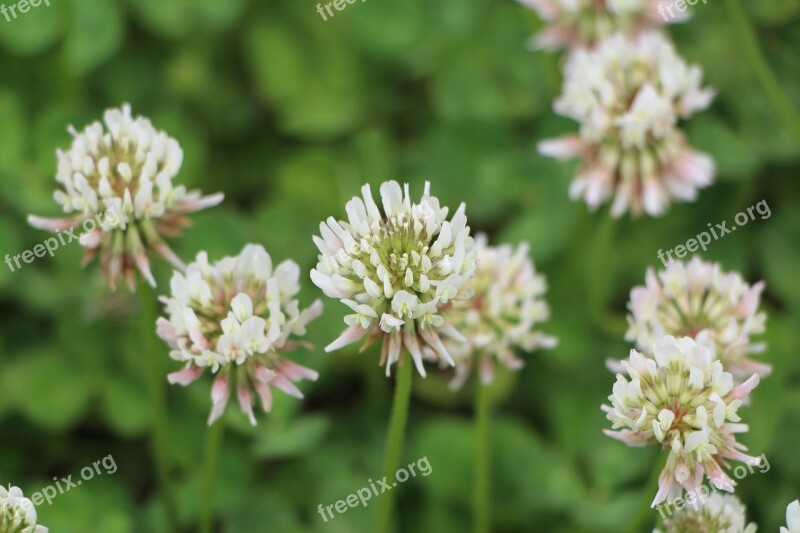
(683, 401)
(628, 96)
(582, 23)
(506, 307)
(698, 299)
(119, 178)
(237, 318)
(720, 513)
(17, 513)
(792, 518)
(395, 269)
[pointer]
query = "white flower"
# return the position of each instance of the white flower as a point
(17, 513)
(119, 178)
(718, 513)
(579, 23)
(237, 318)
(628, 96)
(792, 518)
(396, 268)
(502, 315)
(697, 299)
(683, 401)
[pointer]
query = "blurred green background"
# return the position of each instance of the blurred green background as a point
(289, 115)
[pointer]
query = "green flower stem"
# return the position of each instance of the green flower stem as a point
(394, 446)
(157, 381)
(600, 274)
(482, 458)
(215, 434)
(646, 515)
(752, 50)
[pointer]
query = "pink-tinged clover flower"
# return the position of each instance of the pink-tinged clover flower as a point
(237, 319)
(17, 513)
(683, 401)
(720, 513)
(502, 316)
(628, 96)
(581, 23)
(119, 178)
(698, 299)
(396, 268)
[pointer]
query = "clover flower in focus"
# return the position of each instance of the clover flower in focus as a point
(697, 299)
(119, 178)
(683, 401)
(580, 23)
(720, 513)
(396, 269)
(628, 96)
(237, 318)
(792, 518)
(17, 513)
(507, 304)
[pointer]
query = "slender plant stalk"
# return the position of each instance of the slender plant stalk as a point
(482, 458)
(394, 446)
(646, 515)
(750, 47)
(600, 274)
(215, 434)
(157, 382)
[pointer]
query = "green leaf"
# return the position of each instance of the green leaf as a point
(49, 389)
(179, 18)
(315, 82)
(30, 33)
(296, 438)
(126, 405)
(96, 33)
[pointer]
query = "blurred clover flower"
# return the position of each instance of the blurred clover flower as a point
(396, 269)
(697, 299)
(574, 23)
(17, 513)
(122, 177)
(684, 401)
(720, 513)
(792, 518)
(506, 307)
(237, 318)
(628, 95)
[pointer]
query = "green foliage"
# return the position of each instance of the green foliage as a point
(288, 115)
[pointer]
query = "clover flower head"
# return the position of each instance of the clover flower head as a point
(119, 178)
(683, 401)
(720, 513)
(698, 299)
(237, 318)
(580, 23)
(17, 513)
(506, 307)
(628, 96)
(395, 269)
(792, 518)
